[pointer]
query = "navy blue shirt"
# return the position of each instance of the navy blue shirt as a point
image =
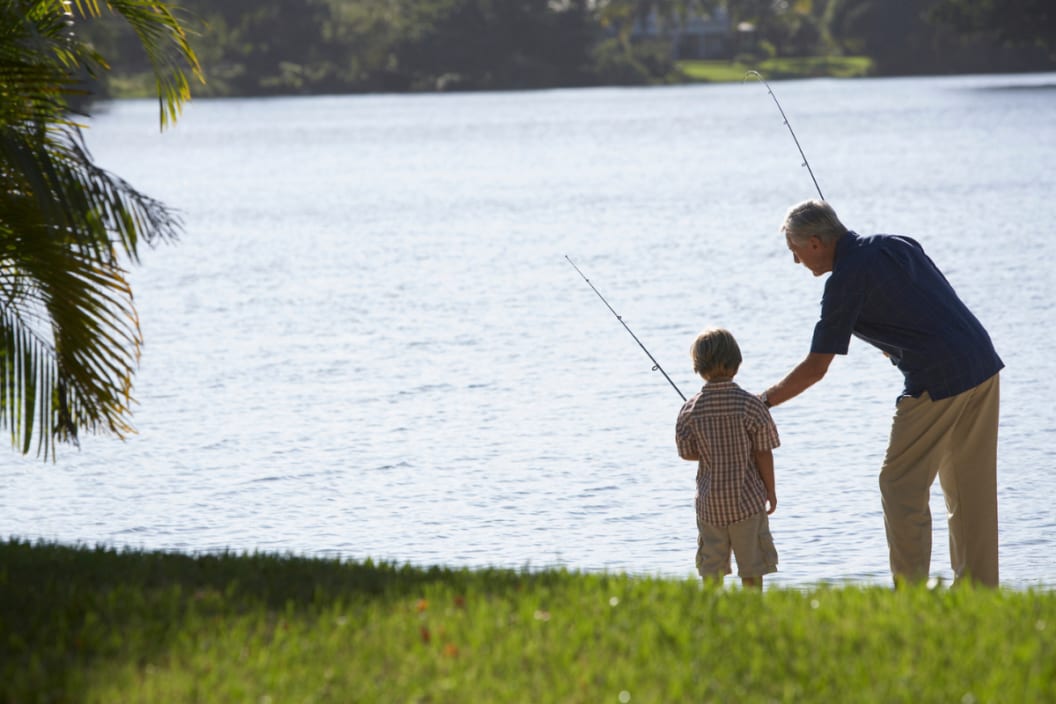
(885, 290)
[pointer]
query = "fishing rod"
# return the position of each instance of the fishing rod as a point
(756, 74)
(656, 365)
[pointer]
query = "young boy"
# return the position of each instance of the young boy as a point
(730, 434)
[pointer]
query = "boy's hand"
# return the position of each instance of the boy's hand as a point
(771, 498)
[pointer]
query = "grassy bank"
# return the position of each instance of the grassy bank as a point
(773, 69)
(98, 625)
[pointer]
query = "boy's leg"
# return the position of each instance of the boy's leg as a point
(753, 546)
(713, 551)
(920, 436)
(969, 483)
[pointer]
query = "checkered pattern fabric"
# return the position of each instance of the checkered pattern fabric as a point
(720, 428)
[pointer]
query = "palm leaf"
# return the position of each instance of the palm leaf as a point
(166, 45)
(69, 331)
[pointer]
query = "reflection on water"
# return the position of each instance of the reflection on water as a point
(369, 342)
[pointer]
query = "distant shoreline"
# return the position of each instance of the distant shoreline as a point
(687, 72)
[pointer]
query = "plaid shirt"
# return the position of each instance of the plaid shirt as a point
(720, 428)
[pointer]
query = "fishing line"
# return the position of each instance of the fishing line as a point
(656, 365)
(756, 74)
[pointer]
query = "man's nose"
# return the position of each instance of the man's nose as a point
(795, 258)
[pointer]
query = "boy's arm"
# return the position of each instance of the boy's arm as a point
(687, 445)
(764, 462)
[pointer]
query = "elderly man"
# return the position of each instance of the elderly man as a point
(885, 290)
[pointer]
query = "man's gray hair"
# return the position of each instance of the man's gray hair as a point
(813, 218)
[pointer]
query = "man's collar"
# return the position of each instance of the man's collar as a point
(842, 245)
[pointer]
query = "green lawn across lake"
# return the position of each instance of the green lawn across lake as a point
(772, 69)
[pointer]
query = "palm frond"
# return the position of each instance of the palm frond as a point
(26, 365)
(69, 331)
(166, 44)
(71, 338)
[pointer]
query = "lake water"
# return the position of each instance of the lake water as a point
(369, 343)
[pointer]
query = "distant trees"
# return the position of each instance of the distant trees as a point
(906, 37)
(784, 27)
(262, 47)
(255, 47)
(496, 44)
(69, 333)
(1015, 22)
(893, 33)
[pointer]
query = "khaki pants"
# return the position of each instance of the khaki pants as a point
(955, 438)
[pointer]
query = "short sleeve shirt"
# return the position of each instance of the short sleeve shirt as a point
(721, 427)
(886, 291)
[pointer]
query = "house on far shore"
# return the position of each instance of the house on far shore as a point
(695, 36)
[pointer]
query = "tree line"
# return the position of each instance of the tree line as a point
(262, 47)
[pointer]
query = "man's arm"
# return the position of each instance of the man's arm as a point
(764, 462)
(807, 373)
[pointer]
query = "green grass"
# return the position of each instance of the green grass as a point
(808, 67)
(99, 625)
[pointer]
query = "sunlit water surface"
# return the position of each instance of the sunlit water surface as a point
(369, 343)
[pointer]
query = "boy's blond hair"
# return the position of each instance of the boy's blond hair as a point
(715, 353)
